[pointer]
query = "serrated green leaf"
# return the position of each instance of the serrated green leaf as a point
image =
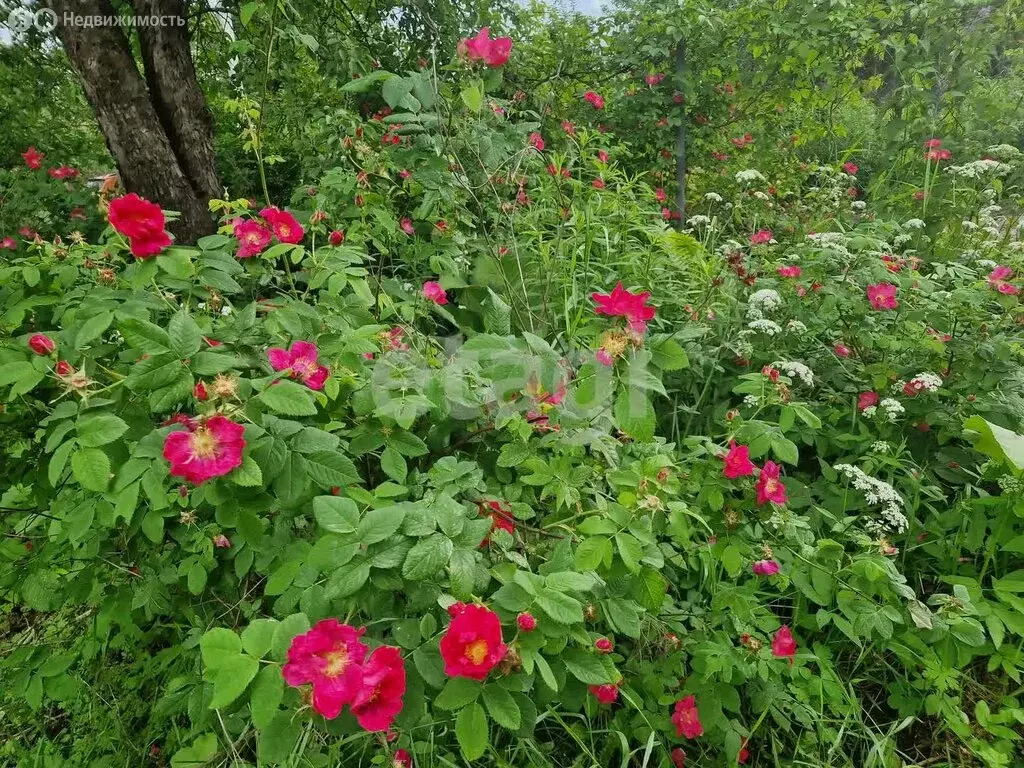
(471, 731)
(289, 398)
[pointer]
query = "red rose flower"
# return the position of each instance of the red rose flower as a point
(686, 719)
(783, 644)
(378, 700)
(607, 693)
(882, 296)
(769, 487)
(737, 461)
(472, 646)
(300, 360)
(209, 448)
(252, 237)
(622, 303)
(33, 158)
(286, 228)
(603, 645)
(492, 53)
(330, 657)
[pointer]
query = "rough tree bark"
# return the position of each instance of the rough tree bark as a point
(161, 136)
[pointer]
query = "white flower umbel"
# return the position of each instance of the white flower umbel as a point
(891, 408)
(927, 381)
(858, 205)
(795, 370)
(879, 446)
(698, 220)
(712, 197)
(978, 169)
(913, 224)
(765, 326)
(881, 493)
(762, 302)
(748, 176)
(797, 327)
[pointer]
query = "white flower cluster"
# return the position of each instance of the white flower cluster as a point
(828, 238)
(969, 226)
(879, 446)
(979, 168)
(902, 239)
(1004, 152)
(923, 382)
(698, 220)
(891, 409)
(762, 196)
(712, 197)
(797, 327)
(762, 302)
(795, 370)
(749, 175)
(878, 492)
(765, 326)
(751, 400)
(858, 205)
(913, 224)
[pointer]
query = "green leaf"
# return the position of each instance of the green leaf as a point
(457, 693)
(634, 415)
(428, 557)
(473, 96)
(336, 514)
(248, 474)
(289, 398)
(198, 754)
(331, 469)
(650, 589)
(630, 550)
(186, 338)
(623, 616)
(267, 692)
(592, 552)
(348, 579)
(285, 632)
(463, 572)
(545, 672)
(471, 731)
(91, 468)
(379, 524)
(282, 577)
(786, 450)
(257, 637)
(145, 336)
(366, 82)
(231, 678)
(219, 644)
(395, 90)
(197, 577)
(586, 667)
(176, 262)
(668, 355)
(93, 328)
(393, 464)
(997, 442)
(561, 608)
(502, 707)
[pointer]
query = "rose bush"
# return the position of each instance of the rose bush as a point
(468, 457)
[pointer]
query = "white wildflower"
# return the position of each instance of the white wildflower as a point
(892, 408)
(749, 175)
(795, 370)
(901, 239)
(698, 220)
(881, 493)
(767, 327)
(751, 400)
(879, 446)
(762, 196)
(795, 326)
(870, 411)
(1004, 151)
(712, 197)
(858, 205)
(762, 302)
(970, 226)
(914, 224)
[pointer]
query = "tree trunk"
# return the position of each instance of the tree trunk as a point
(176, 96)
(681, 138)
(139, 142)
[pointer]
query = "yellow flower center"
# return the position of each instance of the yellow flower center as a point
(337, 661)
(771, 486)
(283, 231)
(476, 651)
(203, 443)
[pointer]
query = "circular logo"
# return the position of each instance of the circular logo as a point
(46, 19)
(20, 19)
